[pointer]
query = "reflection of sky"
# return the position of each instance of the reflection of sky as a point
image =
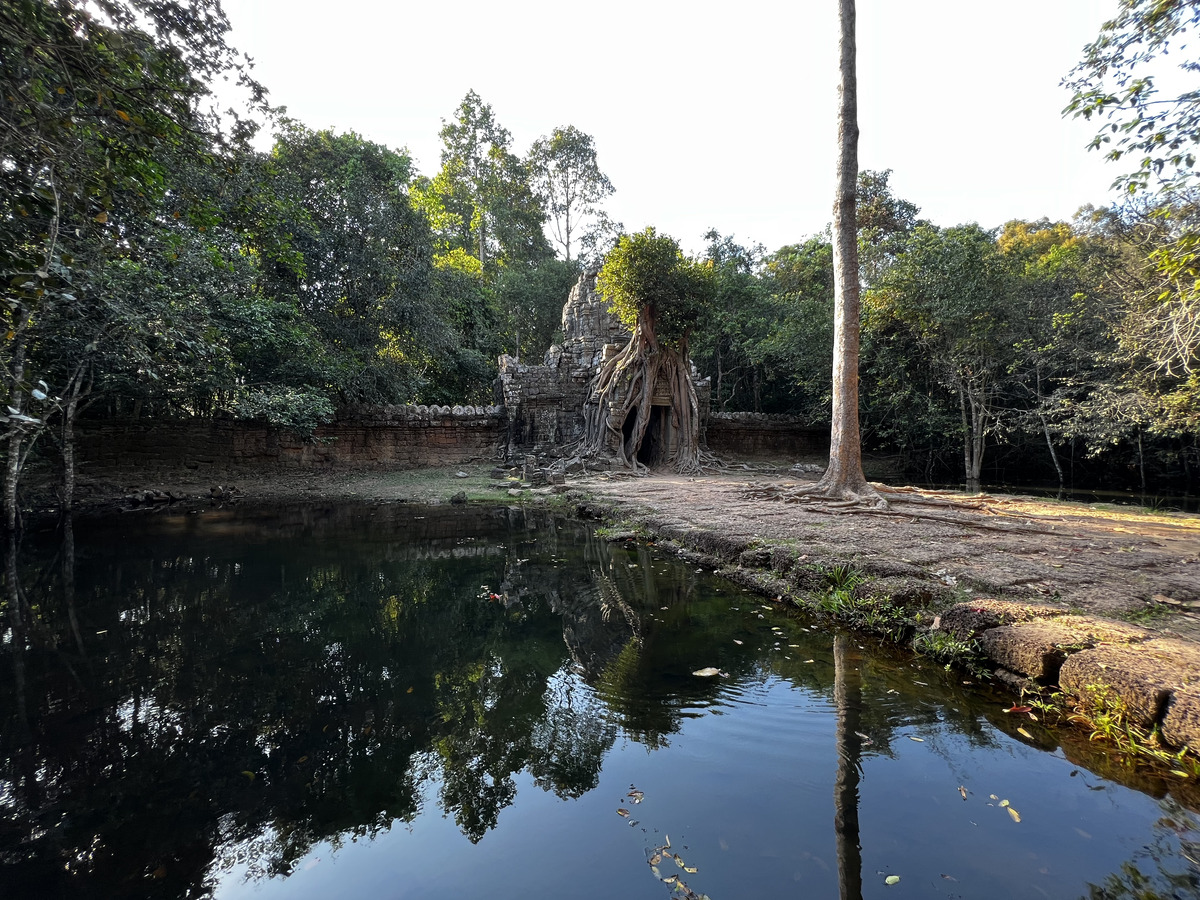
(745, 793)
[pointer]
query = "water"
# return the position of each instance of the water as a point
(397, 702)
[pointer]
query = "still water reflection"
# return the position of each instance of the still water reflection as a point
(387, 701)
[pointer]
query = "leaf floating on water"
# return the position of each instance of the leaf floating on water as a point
(993, 797)
(691, 870)
(892, 879)
(912, 737)
(1019, 709)
(657, 874)
(962, 790)
(623, 813)
(736, 641)
(1016, 816)
(950, 878)
(807, 661)
(667, 845)
(865, 738)
(1003, 804)
(248, 774)
(707, 672)
(678, 861)
(656, 859)
(670, 879)
(409, 691)
(1024, 733)
(636, 795)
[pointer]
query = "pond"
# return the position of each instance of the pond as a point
(400, 702)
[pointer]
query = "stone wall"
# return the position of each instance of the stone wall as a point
(388, 437)
(756, 434)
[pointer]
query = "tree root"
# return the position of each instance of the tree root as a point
(898, 507)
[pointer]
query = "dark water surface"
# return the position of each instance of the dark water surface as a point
(395, 702)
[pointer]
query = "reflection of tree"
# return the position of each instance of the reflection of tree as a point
(1154, 872)
(250, 697)
(847, 692)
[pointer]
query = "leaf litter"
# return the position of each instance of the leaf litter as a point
(660, 854)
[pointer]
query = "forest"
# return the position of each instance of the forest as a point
(156, 264)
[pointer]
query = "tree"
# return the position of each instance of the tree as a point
(88, 106)
(643, 408)
(365, 263)
(1116, 83)
(568, 181)
(950, 295)
(843, 476)
(483, 190)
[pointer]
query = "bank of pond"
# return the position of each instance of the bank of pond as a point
(401, 701)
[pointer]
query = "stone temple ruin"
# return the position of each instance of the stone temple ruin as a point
(544, 405)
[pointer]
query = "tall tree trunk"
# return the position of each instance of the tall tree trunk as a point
(16, 437)
(1053, 453)
(844, 475)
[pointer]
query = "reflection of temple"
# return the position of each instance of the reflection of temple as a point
(544, 403)
(597, 625)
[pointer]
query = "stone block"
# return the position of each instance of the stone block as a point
(1038, 649)
(1143, 676)
(1181, 724)
(969, 619)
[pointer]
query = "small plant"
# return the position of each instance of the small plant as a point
(945, 647)
(1106, 714)
(843, 577)
(1147, 615)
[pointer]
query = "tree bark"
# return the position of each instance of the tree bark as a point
(844, 475)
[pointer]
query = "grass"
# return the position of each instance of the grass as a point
(944, 647)
(1102, 712)
(871, 612)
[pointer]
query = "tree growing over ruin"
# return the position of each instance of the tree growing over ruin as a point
(643, 410)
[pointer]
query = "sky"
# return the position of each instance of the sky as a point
(714, 115)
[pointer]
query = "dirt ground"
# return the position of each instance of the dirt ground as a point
(1098, 559)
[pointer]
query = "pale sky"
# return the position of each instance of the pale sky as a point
(714, 114)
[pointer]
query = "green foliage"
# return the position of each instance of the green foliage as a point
(1116, 83)
(567, 179)
(646, 279)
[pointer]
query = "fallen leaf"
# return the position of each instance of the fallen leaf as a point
(1024, 733)
(656, 859)
(892, 879)
(248, 774)
(623, 813)
(1016, 816)
(670, 879)
(807, 661)
(950, 878)
(1019, 709)
(736, 641)
(691, 870)
(707, 672)
(1003, 804)
(962, 790)
(636, 795)
(667, 845)
(917, 739)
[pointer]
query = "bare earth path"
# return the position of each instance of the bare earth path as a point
(1104, 561)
